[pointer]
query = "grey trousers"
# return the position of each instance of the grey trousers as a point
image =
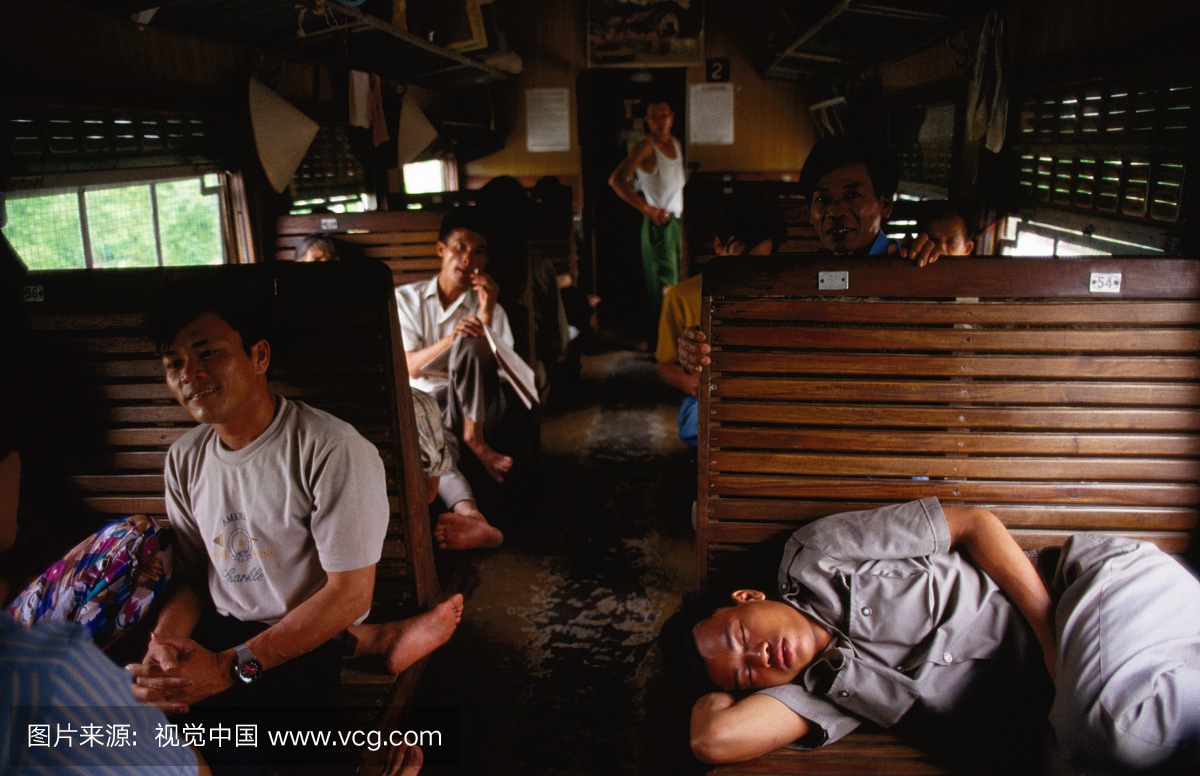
(1128, 625)
(476, 391)
(474, 388)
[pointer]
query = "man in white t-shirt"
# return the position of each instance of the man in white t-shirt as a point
(656, 161)
(442, 322)
(280, 511)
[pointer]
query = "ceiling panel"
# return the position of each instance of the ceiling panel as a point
(339, 36)
(840, 37)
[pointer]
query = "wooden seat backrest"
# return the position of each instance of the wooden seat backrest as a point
(550, 227)
(405, 240)
(335, 345)
(1015, 384)
(1026, 386)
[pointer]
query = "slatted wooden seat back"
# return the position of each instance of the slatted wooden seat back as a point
(405, 240)
(335, 345)
(550, 226)
(1031, 387)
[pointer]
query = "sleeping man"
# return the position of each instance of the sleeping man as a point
(933, 619)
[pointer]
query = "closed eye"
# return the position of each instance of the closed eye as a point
(749, 669)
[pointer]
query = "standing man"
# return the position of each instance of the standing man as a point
(657, 161)
(279, 511)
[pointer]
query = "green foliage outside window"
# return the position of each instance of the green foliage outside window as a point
(46, 232)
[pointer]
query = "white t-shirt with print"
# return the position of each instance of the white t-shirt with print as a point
(307, 497)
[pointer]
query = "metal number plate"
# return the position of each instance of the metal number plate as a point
(33, 293)
(328, 224)
(1106, 283)
(833, 281)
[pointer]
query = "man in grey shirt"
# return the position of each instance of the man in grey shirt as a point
(881, 620)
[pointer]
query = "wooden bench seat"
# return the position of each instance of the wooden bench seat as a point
(1005, 383)
(335, 344)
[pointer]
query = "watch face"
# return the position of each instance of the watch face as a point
(249, 670)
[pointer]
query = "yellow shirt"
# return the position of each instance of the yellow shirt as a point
(680, 309)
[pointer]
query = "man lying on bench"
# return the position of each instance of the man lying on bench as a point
(882, 620)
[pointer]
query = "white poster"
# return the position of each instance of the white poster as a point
(710, 114)
(548, 120)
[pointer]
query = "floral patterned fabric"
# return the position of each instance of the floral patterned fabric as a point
(107, 582)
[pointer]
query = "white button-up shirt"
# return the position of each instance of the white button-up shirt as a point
(423, 322)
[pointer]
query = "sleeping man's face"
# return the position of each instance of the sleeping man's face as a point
(755, 643)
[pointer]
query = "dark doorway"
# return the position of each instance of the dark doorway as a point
(614, 101)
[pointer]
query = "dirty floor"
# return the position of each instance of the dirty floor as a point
(553, 669)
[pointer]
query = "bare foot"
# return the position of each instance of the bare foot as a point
(404, 642)
(404, 760)
(466, 532)
(497, 465)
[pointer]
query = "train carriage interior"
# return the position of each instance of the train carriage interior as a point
(145, 139)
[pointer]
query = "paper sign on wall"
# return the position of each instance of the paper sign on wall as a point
(710, 114)
(547, 120)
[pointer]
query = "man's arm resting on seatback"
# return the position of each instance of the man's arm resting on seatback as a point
(728, 731)
(994, 550)
(675, 375)
(344, 598)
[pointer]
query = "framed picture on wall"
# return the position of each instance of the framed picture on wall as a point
(641, 33)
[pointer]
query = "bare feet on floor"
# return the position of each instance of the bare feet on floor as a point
(457, 531)
(497, 465)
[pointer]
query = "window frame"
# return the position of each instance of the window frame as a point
(233, 249)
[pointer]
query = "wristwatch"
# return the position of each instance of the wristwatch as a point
(247, 668)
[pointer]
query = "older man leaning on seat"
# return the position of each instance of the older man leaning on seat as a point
(851, 185)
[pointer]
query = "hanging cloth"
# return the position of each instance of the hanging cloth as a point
(378, 121)
(366, 105)
(987, 101)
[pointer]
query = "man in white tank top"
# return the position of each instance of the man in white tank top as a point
(657, 161)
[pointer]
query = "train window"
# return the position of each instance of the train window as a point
(1064, 235)
(1100, 165)
(163, 222)
(924, 140)
(113, 187)
(430, 177)
(331, 179)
